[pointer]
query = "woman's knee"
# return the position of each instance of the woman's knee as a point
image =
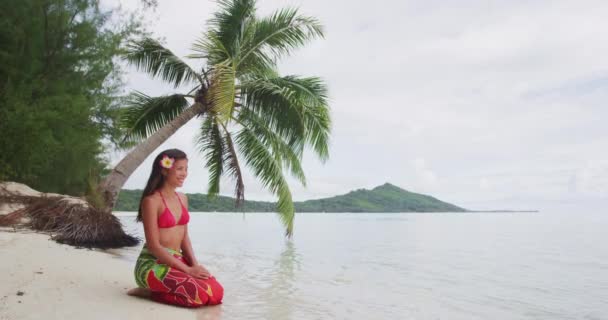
(218, 291)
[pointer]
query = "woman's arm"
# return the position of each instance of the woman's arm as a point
(150, 219)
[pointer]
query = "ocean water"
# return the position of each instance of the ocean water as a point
(404, 265)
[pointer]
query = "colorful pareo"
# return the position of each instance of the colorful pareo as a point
(173, 286)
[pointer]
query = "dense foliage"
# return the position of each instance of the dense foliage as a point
(385, 198)
(59, 86)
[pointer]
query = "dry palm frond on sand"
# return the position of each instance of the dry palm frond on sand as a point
(68, 219)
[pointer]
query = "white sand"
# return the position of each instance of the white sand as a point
(62, 282)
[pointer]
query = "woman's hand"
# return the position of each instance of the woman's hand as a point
(198, 271)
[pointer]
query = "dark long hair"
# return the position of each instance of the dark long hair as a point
(156, 179)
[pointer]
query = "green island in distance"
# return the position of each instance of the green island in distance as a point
(384, 198)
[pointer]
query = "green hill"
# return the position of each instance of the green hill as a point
(384, 198)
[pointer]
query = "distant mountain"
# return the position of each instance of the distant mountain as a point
(384, 198)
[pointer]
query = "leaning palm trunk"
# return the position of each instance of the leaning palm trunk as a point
(111, 185)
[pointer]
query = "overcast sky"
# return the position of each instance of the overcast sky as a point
(484, 104)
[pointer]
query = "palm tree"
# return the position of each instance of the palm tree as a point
(249, 112)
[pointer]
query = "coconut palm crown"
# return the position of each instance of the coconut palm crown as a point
(250, 114)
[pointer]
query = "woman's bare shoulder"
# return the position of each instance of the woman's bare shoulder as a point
(152, 200)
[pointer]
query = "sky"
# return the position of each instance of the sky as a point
(483, 104)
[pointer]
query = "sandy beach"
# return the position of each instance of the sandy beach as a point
(42, 279)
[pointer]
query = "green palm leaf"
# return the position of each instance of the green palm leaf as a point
(295, 107)
(266, 168)
(144, 115)
(233, 168)
(216, 144)
(150, 56)
(211, 144)
(223, 90)
(283, 152)
(279, 34)
(210, 48)
(229, 23)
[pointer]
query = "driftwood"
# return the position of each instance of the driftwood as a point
(67, 219)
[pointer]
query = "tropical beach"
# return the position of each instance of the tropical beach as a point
(243, 159)
(423, 265)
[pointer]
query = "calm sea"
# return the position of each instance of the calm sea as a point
(405, 265)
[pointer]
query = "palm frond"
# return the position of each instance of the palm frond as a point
(210, 143)
(280, 33)
(229, 23)
(223, 90)
(258, 64)
(283, 152)
(150, 56)
(210, 48)
(318, 123)
(216, 144)
(145, 115)
(294, 107)
(233, 168)
(269, 171)
(271, 103)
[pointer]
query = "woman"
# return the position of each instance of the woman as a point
(167, 270)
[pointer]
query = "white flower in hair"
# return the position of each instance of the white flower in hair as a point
(167, 162)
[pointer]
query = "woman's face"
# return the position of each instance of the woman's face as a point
(178, 173)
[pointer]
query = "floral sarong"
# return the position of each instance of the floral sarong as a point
(173, 286)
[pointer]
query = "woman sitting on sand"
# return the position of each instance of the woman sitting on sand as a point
(166, 270)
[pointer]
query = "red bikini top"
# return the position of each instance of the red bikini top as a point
(167, 219)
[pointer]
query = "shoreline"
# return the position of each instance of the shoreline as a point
(48, 280)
